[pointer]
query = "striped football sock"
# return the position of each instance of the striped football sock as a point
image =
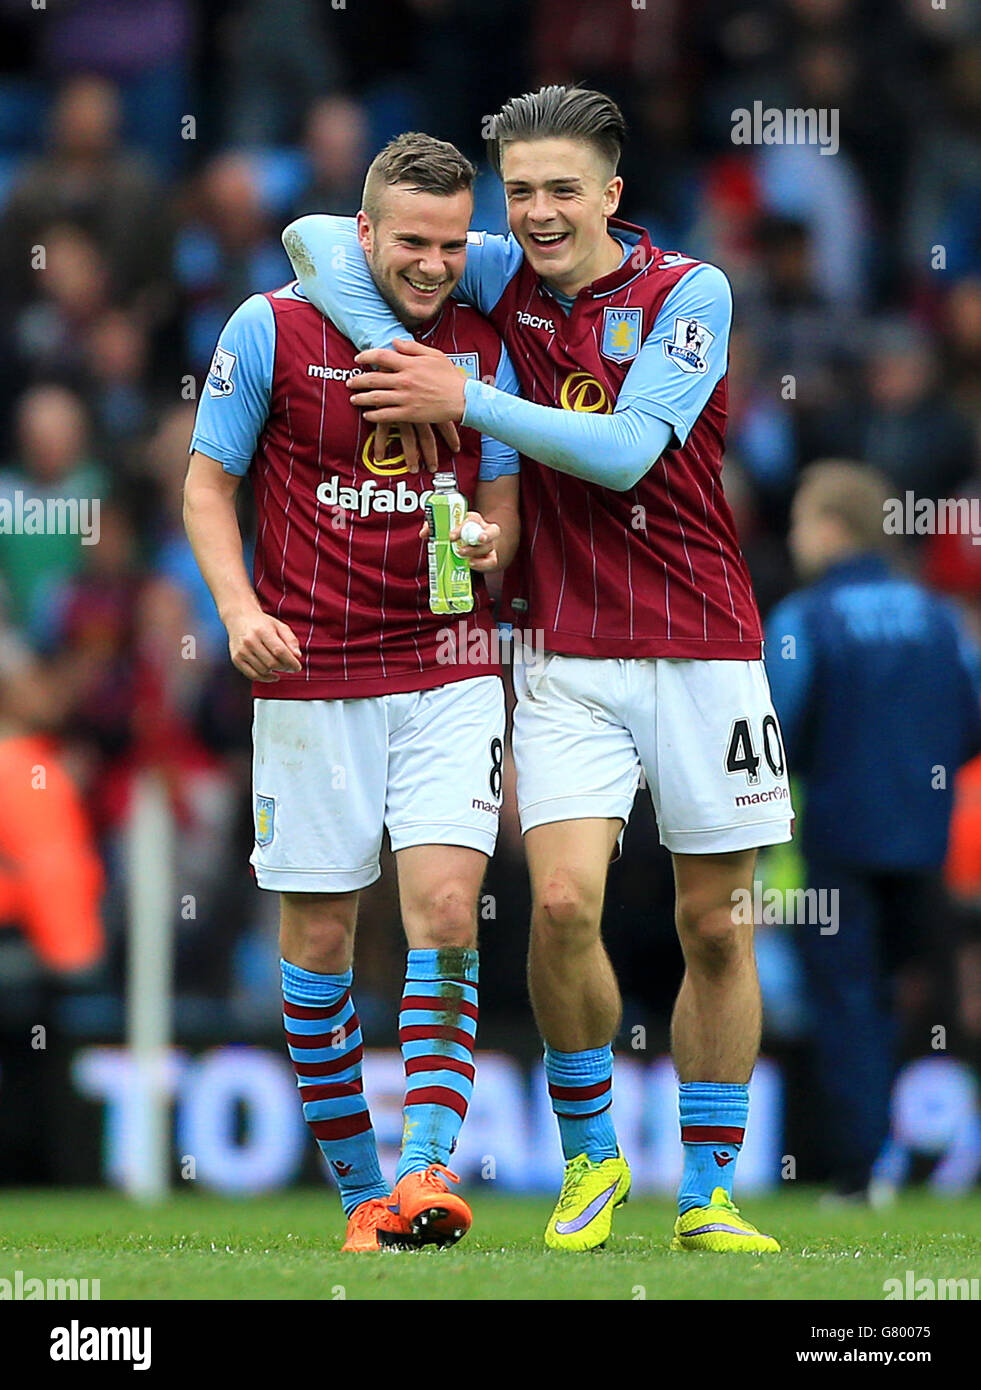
(713, 1123)
(437, 1029)
(581, 1087)
(324, 1038)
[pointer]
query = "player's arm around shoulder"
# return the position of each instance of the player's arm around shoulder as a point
(330, 265)
(492, 263)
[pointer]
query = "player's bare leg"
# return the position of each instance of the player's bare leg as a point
(573, 990)
(316, 930)
(438, 891)
(316, 941)
(715, 1039)
(576, 1000)
(715, 1029)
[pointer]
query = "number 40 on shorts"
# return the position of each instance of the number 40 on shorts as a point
(741, 754)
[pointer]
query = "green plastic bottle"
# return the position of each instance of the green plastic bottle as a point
(450, 589)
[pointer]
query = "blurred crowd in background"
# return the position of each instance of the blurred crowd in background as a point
(149, 157)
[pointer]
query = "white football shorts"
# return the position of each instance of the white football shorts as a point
(329, 775)
(703, 734)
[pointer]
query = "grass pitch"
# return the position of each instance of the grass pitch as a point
(200, 1246)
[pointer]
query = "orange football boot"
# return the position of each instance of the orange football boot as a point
(434, 1214)
(374, 1226)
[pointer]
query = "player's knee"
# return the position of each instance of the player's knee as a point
(316, 932)
(710, 937)
(567, 912)
(446, 917)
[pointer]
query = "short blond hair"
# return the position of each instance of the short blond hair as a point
(424, 164)
(853, 493)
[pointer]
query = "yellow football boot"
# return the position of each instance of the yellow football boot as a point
(590, 1192)
(720, 1227)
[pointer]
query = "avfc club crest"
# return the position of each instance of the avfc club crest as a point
(621, 333)
(265, 820)
(692, 341)
(467, 363)
(220, 373)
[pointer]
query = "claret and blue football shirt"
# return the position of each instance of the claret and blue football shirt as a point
(633, 371)
(338, 554)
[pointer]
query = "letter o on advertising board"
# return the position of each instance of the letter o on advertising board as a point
(214, 1088)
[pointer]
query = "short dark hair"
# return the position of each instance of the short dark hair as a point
(426, 164)
(573, 112)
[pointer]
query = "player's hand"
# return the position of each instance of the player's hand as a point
(417, 440)
(261, 645)
(412, 383)
(483, 555)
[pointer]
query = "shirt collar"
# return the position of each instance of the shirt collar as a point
(631, 238)
(636, 262)
(429, 327)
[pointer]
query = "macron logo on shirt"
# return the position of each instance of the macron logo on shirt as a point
(332, 373)
(532, 321)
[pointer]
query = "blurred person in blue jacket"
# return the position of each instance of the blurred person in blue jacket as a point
(876, 686)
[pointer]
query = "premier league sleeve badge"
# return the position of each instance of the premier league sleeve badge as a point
(220, 381)
(689, 346)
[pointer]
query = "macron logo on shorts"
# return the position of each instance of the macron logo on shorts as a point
(755, 798)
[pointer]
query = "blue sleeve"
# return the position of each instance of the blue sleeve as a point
(235, 403)
(497, 459)
(492, 261)
(329, 263)
(612, 450)
(790, 667)
(686, 352)
(677, 369)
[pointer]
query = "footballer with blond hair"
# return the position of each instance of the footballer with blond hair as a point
(363, 722)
